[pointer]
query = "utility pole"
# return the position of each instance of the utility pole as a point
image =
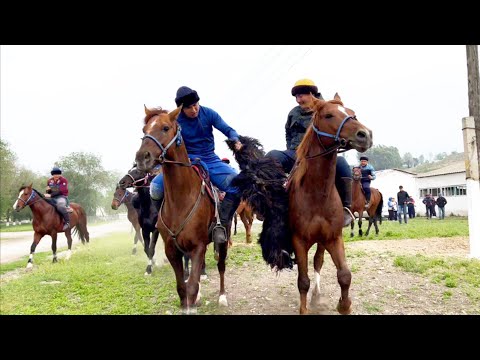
(471, 142)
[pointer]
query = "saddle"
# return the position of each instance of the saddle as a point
(204, 175)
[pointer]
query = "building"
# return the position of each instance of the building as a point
(449, 180)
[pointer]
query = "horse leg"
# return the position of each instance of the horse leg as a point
(68, 235)
(136, 239)
(303, 282)
(360, 231)
(222, 256)
(370, 222)
(54, 247)
(352, 225)
(146, 249)
(186, 270)
(235, 221)
(193, 283)
(376, 225)
(317, 265)
(36, 239)
(153, 245)
(175, 257)
(344, 276)
(204, 275)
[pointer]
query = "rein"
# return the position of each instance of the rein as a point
(341, 142)
(162, 158)
(32, 196)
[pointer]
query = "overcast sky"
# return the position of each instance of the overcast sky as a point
(61, 99)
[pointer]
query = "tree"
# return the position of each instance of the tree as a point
(87, 180)
(408, 160)
(383, 157)
(7, 178)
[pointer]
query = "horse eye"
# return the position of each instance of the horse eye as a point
(328, 116)
(166, 128)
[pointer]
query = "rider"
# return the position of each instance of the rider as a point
(368, 174)
(298, 121)
(197, 123)
(57, 190)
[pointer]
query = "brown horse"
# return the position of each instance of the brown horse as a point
(245, 212)
(187, 213)
(47, 221)
(315, 208)
(374, 211)
(123, 196)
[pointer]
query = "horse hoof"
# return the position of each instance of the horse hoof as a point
(69, 255)
(344, 309)
(203, 277)
(54, 260)
(29, 266)
(222, 300)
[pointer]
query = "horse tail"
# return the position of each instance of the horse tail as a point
(78, 229)
(380, 208)
(261, 182)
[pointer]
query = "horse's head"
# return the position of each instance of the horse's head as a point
(119, 197)
(337, 126)
(134, 177)
(161, 133)
(356, 173)
(26, 196)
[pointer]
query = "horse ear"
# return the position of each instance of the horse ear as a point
(337, 97)
(318, 103)
(174, 114)
(146, 109)
(30, 186)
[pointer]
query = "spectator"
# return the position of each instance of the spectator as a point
(441, 202)
(392, 209)
(429, 204)
(402, 199)
(411, 207)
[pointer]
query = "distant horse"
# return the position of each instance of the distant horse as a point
(47, 221)
(147, 211)
(358, 204)
(310, 211)
(187, 215)
(123, 196)
(246, 215)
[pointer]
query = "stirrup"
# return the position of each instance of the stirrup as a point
(219, 234)
(66, 226)
(349, 212)
(367, 205)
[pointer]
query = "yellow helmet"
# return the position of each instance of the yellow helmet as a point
(304, 86)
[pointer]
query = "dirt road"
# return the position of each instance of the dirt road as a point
(14, 245)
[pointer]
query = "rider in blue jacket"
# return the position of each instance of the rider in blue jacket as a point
(368, 174)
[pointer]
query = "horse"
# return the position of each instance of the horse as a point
(47, 221)
(146, 209)
(308, 210)
(187, 214)
(123, 196)
(246, 215)
(358, 204)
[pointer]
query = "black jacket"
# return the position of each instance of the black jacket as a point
(297, 124)
(441, 201)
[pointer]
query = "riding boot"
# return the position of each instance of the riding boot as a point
(345, 192)
(227, 208)
(66, 218)
(157, 203)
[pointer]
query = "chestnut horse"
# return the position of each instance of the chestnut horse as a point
(315, 208)
(47, 221)
(374, 211)
(123, 196)
(187, 213)
(246, 215)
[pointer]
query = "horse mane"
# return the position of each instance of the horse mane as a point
(151, 112)
(38, 192)
(302, 150)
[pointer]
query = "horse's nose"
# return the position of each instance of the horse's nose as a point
(142, 159)
(364, 135)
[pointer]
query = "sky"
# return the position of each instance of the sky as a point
(60, 99)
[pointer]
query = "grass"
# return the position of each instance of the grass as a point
(450, 272)
(417, 228)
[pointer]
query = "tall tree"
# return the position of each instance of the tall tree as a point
(383, 157)
(87, 180)
(408, 160)
(7, 178)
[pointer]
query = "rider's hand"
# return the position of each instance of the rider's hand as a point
(238, 145)
(47, 196)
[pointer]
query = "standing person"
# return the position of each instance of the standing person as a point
(368, 174)
(197, 123)
(402, 199)
(298, 121)
(441, 202)
(57, 191)
(429, 204)
(411, 207)
(392, 209)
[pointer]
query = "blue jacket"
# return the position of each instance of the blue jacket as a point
(198, 133)
(368, 170)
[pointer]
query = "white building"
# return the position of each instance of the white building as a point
(450, 181)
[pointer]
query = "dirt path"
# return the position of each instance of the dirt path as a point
(14, 245)
(378, 287)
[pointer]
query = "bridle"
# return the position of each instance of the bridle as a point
(340, 143)
(31, 197)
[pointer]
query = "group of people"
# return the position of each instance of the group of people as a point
(430, 203)
(407, 206)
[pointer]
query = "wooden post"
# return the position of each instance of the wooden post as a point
(471, 141)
